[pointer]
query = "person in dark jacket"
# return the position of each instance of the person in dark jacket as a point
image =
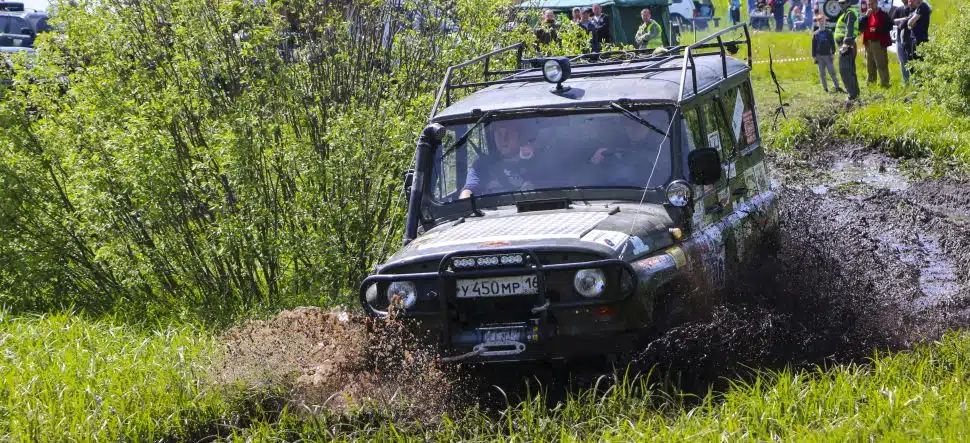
(601, 25)
(919, 23)
(823, 51)
(778, 8)
(845, 37)
(876, 25)
(904, 38)
(548, 30)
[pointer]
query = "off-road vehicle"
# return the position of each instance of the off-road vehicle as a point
(571, 209)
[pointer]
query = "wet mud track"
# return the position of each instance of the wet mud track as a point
(866, 259)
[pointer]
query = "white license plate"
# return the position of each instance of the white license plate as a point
(498, 286)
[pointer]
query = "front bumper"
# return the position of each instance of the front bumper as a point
(552, 328)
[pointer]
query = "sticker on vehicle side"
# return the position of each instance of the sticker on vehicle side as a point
(714, 140)
(737, 117)
(677, 253)
(639, 247)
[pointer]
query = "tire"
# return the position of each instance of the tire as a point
(671, 308)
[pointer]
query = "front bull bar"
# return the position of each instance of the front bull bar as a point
(447, 284)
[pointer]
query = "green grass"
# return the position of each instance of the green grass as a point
(921, 394)
(67, 378)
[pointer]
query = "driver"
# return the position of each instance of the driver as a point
(512, 169)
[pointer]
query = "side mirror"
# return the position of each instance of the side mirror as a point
(705, 166)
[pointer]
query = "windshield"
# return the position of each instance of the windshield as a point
(602, 150)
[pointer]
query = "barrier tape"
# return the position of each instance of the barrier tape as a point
(784, 60)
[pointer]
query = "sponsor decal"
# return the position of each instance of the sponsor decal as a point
(677, 254)
(750, 132)
(714, 140)
(737, 117)
(613, 239)
(655, 263)
(731, 170)
(639, 247)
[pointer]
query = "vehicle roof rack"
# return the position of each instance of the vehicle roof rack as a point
(609, 63)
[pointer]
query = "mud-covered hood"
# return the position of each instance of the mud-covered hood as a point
(615, 230)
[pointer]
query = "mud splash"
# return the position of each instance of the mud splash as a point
(866, 258)
(336, 362)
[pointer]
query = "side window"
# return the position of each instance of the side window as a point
(692, 135)
(451, 170)
(717, 136)
(739, 107)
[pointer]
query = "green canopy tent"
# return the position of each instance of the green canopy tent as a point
(624, 15)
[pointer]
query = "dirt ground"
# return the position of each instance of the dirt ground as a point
(869, 257)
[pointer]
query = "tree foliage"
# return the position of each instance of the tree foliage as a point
(204, 158)
(943, 72)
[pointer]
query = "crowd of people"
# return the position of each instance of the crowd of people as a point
(875, 25)
(596, 23)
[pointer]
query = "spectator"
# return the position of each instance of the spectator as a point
(845, 33)
(919, 23)
(778, 8)
(823, 51)
(577, 16)
(586, 22)
(547, 31)
(650, 34)
(601, 25)
(735, 9)
(792, 17)
(875, 25)
(797, 19)
(904, 38)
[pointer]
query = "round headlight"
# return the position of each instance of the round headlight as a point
(590, 282)
(371, 294)
(402, 293)
(679, 193)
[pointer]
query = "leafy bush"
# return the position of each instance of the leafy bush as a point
(197, 159)
(943, 72)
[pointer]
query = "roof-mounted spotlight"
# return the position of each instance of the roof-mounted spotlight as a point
(556, 70)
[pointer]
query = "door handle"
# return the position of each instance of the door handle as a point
(716, 209)
(740, 191)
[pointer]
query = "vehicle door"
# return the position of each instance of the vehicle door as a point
(706, 246)
(747, 174)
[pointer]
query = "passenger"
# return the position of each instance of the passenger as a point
(632, 161)
(512, 168)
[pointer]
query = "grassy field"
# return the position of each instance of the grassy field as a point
(66, 377)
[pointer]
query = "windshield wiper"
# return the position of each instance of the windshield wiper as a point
(464, 137)
(633, 116)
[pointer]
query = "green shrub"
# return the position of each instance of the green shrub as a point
(195, 159)
(943, 72)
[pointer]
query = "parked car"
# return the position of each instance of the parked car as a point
(570, 210)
